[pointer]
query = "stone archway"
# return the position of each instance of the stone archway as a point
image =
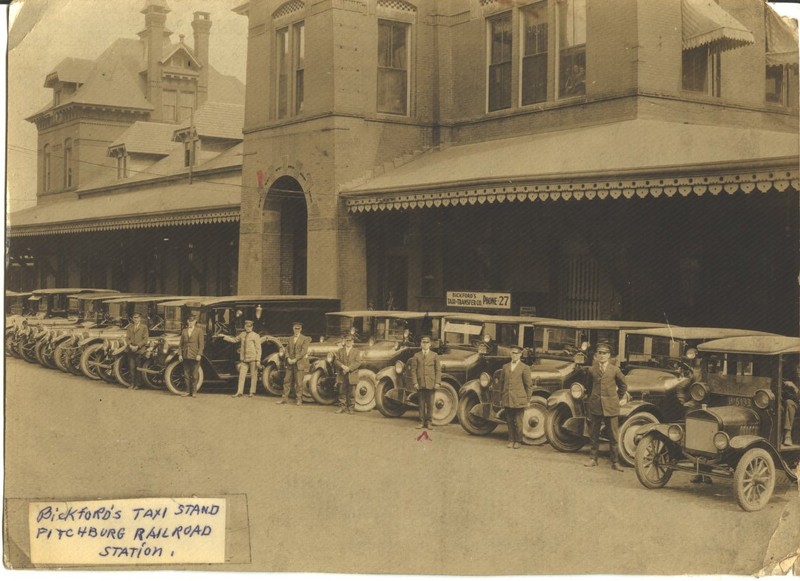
(286, 235)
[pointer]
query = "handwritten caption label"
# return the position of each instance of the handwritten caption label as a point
(128, 532)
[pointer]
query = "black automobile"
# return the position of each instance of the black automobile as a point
(660, 366)
(738, 432)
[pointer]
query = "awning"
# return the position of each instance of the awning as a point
(170, 205)
(705, 22)
(782, 40)
(636, 158)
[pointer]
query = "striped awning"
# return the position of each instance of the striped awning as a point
(782, 40)
(706, 23)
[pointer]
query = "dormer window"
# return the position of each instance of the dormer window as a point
(122, 165)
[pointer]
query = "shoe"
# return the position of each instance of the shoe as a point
(350, 412)
(135, 387)
(237, 395)
(430, 428)
(421, 426)
(250, 394)
(299, 403)
(516, 445)
(340, 411)
(701, 479)
(787, 441)
(184, 395)
(617, 467)
(281, 402)
(510, 445)
(591, 463)
(194, 395)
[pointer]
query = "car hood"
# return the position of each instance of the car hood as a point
(458, 359)
(652, 381)
(322, 349)
(551, 369)
(380, 350)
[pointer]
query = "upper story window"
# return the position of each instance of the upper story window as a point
(68, 163)
(169, 103)
(393, 67)
(534, 53)
(290, 65)
(122, 166)
(571, 22)
(701, 70)
(776, 85)
(187, 104)
(500, 43)
(46, 167)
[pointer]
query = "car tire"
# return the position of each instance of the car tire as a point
(91, 356)
(389, 408)
(39, 352)
(473, 425)
(121, 372)
(559, 438)
(754, 479)
(153, 380)
(627, 432)
(653, 462)
(322, 388)
(60, 356)
(534, 422)
(365, 391)
(271, 379)
(9, 344)
(28, 351)
(445, 405)
(175, 381)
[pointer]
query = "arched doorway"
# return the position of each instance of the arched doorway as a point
(287, 198)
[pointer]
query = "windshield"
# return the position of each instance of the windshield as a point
(557, 341)
(172, 316)
(740, 374)
(464, 333)
(658, 352)
(115, 310)
(338, 325)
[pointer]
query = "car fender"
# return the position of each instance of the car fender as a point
(61, 339)
(745, 442)
(387, 372)
(319, 365)
(275, 359)
(447, 378)
(83, 343)
(472, 386)
(270, 344)
(636, 407)
(661, 429)
(561, 397)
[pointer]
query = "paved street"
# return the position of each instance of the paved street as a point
(359, 494)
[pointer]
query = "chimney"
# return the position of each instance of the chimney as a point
(154, 36)
(202, 27)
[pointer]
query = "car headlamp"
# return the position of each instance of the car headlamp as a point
(282, 352)
(675, 433)
(698, 392)
(762, 398)
(398, 367)
(485, 379)
(576, 390)
(328, 357)
(691, 353)
(721, 441)
(579, 358)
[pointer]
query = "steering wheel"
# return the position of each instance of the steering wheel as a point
(679, 366)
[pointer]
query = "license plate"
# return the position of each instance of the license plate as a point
(742, 402)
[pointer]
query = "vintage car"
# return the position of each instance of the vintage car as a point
(272, 316)
(660, 365)
(383, 337)
(17, 310)
(51, 309)
(738, 430)
(564, 350)
(479, 407)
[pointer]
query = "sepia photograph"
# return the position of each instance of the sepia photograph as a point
(402, 287)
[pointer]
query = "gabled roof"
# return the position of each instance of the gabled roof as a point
(180, 47)
(69, 70)
(146, 137)
(221, 120)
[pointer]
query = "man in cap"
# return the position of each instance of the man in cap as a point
(426, 371)
(136, 336)
(296, 364)
(191, 347)
(515, 395)
(347, 362)
(249, 357)
(607, 386)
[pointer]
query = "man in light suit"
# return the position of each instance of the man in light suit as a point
(136, 336)
(607, 387)
(347, 362)
(426, 371)
(296, 364)
(193, 341)
(515, 395)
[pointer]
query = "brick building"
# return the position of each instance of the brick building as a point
(139, 170)
(595, 158)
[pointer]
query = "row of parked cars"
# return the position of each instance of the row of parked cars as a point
(710, 401)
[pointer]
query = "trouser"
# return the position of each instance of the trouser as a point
(791, 412)
(426, 405)
(514, 421)
(347, 396)
(293, 379)
(191, 374)
(612, 423)
(244, 366)
(133, 363)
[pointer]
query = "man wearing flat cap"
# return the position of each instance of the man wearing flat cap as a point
(607, 386)
(426, 372)
(191, 346)
(515, 395)
(296, 363)
(249, 357)
(347, 362)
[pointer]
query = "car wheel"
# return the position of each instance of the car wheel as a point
(49, 355)
(625, 443)
(323, 388)
(60, 357)
(73, 361)
(153, 380)
(40, 354)
(653, 462)
(365, 391)
(559, 437)
(9, 344)
(445, 405)
(474, 425)
(534, 420)
(388, 407)
(122, 372)
(28, 351)
(91, 359)
(176, 382)
(272, 379)
(754, 479)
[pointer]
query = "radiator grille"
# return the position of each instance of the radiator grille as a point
(700, 435)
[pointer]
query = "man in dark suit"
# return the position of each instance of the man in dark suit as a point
(426, 371)
(515, 395)
(296, 364)
(136, 336)
(607, 387)
(192, 343)
(347, 362)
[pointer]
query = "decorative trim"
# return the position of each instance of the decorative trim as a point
(288, 8)
(396, 6)
(532, 190)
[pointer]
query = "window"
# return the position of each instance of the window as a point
(290, 52)
(187, 106)
(68, 163)
(701, 70)
(189, 152)
(170, 105)
(46, 167)
(122, 166)
(499, 82)
(571, 16)
(776, 84)
(534, 55)
(392, 67)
